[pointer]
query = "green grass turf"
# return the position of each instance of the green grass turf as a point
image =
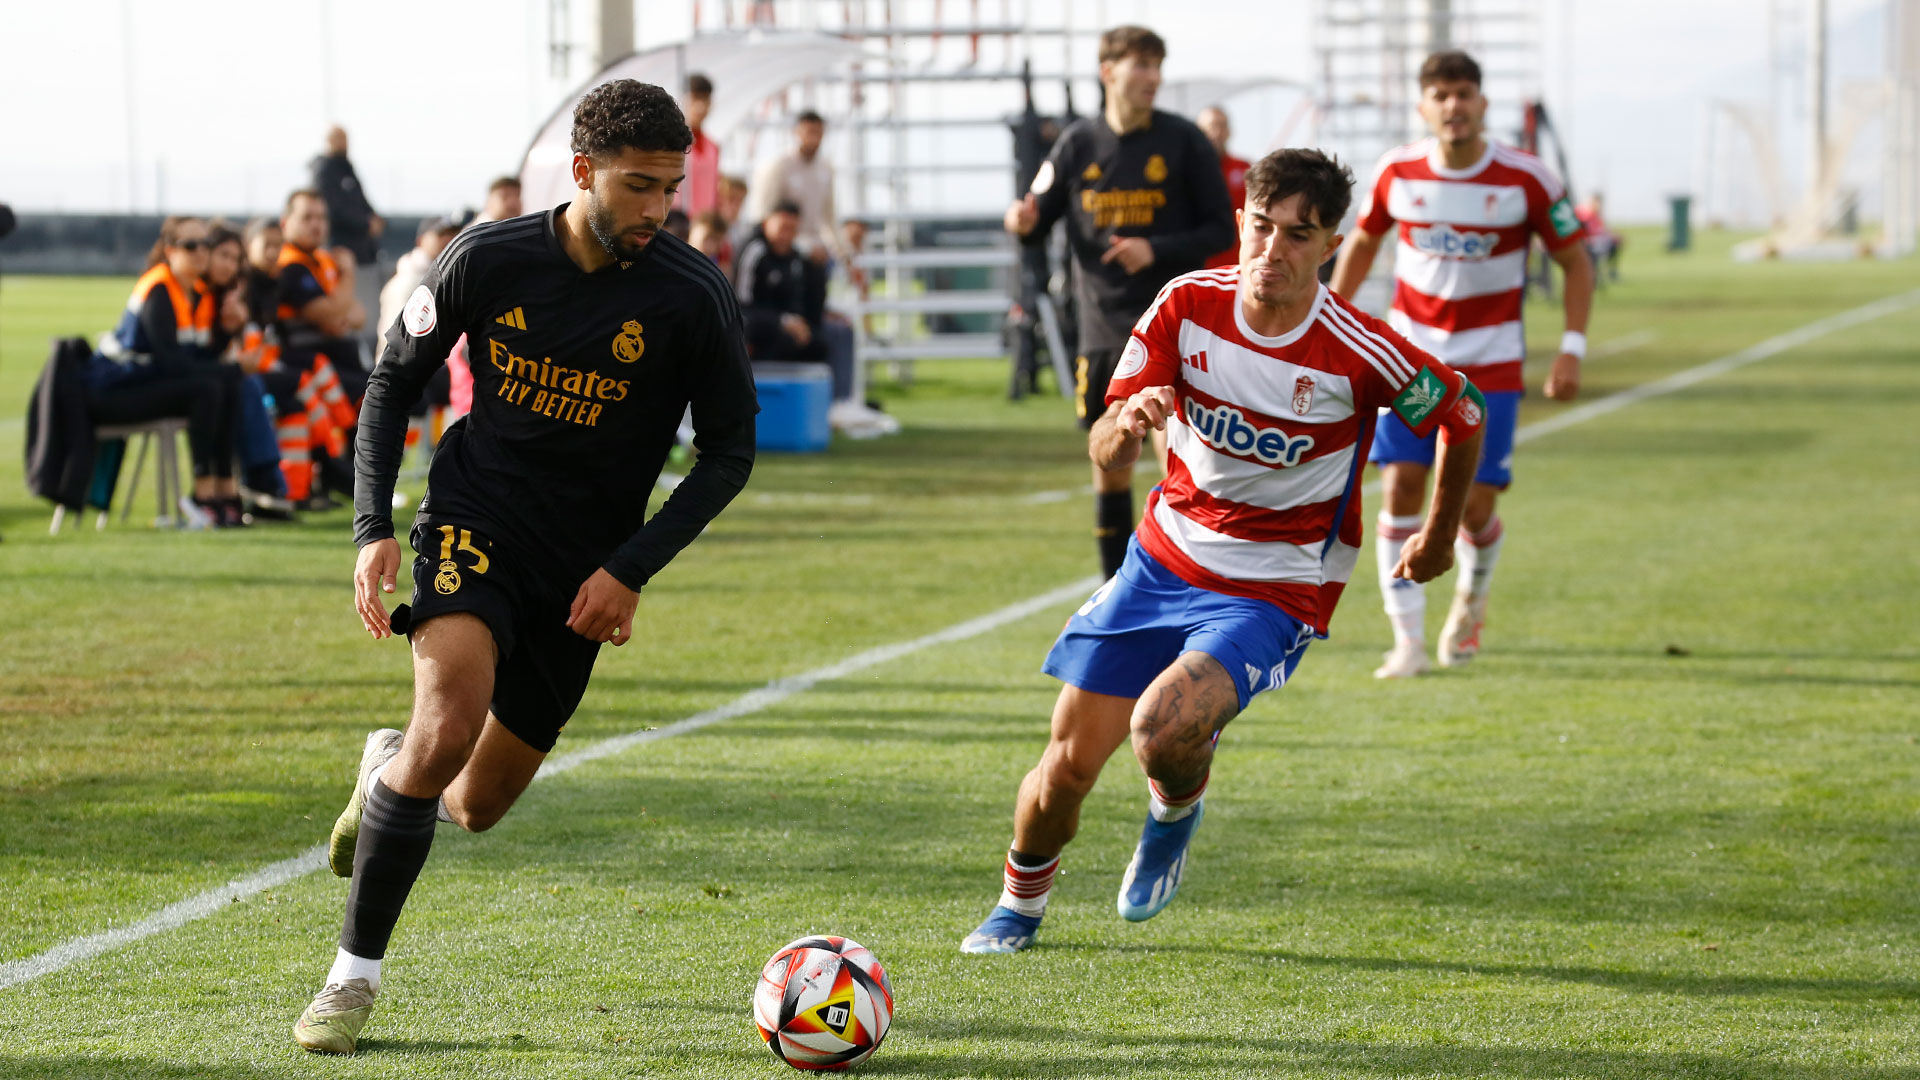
(1666, 826)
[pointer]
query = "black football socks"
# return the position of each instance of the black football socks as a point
(1113, 527)
(396, 832)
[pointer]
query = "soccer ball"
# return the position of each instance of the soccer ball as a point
(823, 1003)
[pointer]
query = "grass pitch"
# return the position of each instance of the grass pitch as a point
(1668, 825)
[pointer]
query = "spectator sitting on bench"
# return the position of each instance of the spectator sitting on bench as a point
(783, 300)
(163, 360)
(254, 442)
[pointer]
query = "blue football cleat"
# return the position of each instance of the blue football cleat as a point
(1005, 931)
(1158, 864)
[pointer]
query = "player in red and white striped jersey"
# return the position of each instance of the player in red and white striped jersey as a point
(1268, 387)
(1464, 212)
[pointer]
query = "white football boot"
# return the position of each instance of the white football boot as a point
(1460, 639)
(1405, 660)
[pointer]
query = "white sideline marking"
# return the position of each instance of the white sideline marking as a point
(179, 914)
(1680, 380)
(173, 916)
(1623, 343)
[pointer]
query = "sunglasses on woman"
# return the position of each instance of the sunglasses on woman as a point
(190, 245)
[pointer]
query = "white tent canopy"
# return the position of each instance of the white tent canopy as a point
(745, 69)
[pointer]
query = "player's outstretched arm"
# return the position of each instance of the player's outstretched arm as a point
(1563, 382)
(1430, 552)
(416, 345)
(723, 412)
(1114, 441)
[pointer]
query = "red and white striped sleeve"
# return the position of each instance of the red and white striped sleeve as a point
(1421, 390)
(1152, 355)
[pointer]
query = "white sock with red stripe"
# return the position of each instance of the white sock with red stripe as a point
(1027, 887)
(1170, 808)
(1405, 601)
(1476, 553)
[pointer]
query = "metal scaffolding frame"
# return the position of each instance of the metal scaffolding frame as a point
(1367, 56)
(898, 133)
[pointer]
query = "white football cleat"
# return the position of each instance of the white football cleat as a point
(1405, 660)
(856, 421)
(1460, 639)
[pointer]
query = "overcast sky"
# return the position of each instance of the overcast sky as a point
(228, 98)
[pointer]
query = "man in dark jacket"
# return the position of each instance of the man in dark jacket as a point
(782, 306)
(351, 222)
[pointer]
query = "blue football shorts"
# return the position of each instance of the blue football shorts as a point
(1137, 624)
(1394, 442)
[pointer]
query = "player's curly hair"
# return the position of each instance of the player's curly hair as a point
(1326, 186)
(627, 114)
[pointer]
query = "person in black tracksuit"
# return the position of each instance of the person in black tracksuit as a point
(590, 332)
(783, 300)
(1144, 202)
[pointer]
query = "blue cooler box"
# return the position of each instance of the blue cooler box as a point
(793, 406)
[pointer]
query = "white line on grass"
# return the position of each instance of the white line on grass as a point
(173, 916)
(1623, 343)
(1680, 380)
(179, 914)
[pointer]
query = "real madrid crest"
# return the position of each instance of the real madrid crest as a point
(1156, 169)
(628, 346)
(447, 581)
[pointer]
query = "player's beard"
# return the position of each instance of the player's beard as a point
(607, 231)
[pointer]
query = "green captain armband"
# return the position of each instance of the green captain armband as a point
(1422, 395)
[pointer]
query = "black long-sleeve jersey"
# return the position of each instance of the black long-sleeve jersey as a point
(1162, 182)
(579, 383)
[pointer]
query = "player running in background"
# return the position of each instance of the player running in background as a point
(1144, 203)
(592, 332)
(1267, 386)
(1466, 211)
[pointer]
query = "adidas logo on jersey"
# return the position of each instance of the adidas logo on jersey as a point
(1444, 239)
(1224, 427)
(515, 318)
(1198, 361)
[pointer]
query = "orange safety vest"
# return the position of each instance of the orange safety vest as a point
(192, 317)
(318, 263)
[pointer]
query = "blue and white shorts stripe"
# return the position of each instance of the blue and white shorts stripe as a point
(1137, 624)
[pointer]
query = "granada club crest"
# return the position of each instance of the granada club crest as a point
(1303, 395)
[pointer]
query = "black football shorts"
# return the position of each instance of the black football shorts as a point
(1092, 371)
(543, 666)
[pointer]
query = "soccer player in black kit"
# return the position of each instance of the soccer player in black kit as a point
(590, 331)
(1144, 201)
